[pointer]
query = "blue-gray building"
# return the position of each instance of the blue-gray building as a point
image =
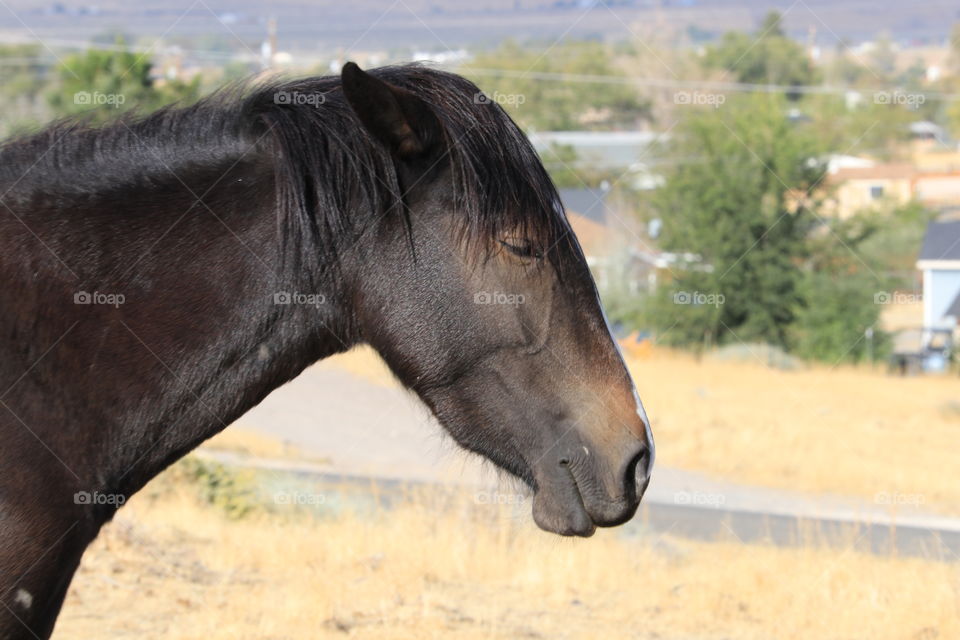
(940, 263)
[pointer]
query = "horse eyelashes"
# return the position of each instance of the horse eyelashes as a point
(525, 250)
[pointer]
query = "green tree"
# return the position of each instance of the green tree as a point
(952, 83)
(560, 161)
(875, 126)
(883, 58)
(102, 83)
(733, 207)
(520, 78)
(837, 312)
(567, 169)
(853, 265)
(25, 74)
(766, 57)
(894, 237)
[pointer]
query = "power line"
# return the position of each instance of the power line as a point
(545, 76)
(718, 86)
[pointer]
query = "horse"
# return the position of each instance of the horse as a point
(161, 274)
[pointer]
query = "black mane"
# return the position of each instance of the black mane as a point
(324, 188)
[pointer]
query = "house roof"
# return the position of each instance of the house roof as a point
(925, 128)
(941, 242)
(879, 172)
(838, 161)
(589, 203)
(954, 308)
(599, 229)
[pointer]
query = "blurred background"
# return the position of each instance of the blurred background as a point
(768, 194)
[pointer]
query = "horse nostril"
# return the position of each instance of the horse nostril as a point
(638, 472)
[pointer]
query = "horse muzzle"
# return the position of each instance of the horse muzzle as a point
(578, 490)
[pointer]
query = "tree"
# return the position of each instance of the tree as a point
(895, 235)
(24, 77)
(765, 265)
(767, 57)
(103, 83)
(568, 170)
(852, 269)
(874, 127)
(883, 58)
(734, 207)
(838, 311)
(953, 82)
(515, 77)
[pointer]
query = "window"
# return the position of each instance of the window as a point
(876, 192)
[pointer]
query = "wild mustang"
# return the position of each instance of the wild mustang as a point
(161, 275)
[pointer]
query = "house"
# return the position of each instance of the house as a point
(857, 188)
(939, 261)
(936, 158)
(614, 243)
(937, 190)
(588, 216)
(588, 203)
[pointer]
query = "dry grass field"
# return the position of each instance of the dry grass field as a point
(170, 567)
(845, 430)
(176, 566)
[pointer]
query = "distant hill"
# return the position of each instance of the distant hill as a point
(325, 25)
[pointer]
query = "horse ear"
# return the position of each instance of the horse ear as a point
(396, 117)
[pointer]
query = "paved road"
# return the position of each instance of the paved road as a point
(362, 428)
(367, 430)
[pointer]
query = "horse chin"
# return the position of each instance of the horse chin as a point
(558, 507)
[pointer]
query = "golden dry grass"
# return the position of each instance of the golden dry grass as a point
(170, 568)
(843, 430)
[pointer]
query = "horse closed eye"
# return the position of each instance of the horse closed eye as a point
(523, 249)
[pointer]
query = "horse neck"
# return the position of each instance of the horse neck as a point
(197, 330)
